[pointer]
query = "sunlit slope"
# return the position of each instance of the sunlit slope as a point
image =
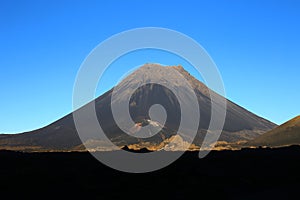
(284, 135)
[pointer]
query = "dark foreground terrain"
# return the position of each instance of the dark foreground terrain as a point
(246, 174)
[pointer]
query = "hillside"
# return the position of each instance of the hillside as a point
(284, 135)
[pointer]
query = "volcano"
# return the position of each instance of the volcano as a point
(240, 124)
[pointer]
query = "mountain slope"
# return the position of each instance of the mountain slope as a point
(240, 124)
(284, 135)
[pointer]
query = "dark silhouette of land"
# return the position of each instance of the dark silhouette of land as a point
(246, 174)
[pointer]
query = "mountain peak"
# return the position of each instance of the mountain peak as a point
(161, 72)
(178, 67)
(160, 66)
(154, 71)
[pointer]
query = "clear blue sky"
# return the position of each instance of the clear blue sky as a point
(255, 44)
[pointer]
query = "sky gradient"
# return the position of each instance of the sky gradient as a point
(255, 44)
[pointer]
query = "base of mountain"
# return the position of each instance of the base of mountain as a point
(219, 146)
(247, 174)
